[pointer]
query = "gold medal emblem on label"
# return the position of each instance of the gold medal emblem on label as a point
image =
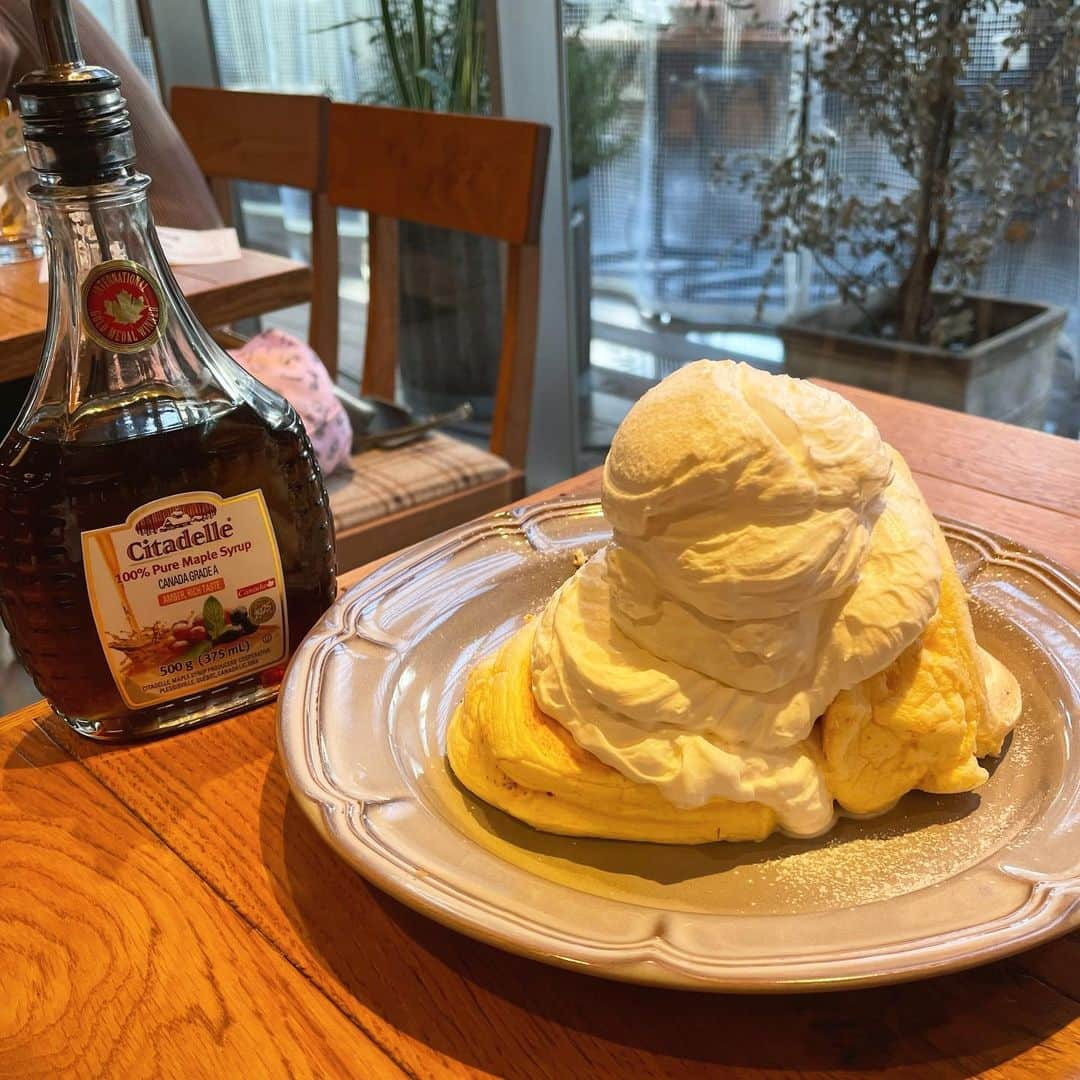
(122, 306)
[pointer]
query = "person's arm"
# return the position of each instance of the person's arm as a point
(9, 55)
(179, 195)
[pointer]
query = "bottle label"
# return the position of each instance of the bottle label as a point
(122, 306)
(187, 594)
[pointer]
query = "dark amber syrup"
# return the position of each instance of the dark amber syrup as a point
(51, 491)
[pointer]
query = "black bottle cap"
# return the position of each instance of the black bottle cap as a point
(75, 120)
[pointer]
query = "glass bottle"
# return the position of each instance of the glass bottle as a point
(165, 536)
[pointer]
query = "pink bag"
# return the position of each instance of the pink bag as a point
(291, 367)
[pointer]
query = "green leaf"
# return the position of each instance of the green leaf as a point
(433, 51)
(213, 617)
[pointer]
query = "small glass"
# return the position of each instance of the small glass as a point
(20, 228)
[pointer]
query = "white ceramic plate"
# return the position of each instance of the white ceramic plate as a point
(937, 884)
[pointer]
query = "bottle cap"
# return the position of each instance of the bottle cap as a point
(75, 120)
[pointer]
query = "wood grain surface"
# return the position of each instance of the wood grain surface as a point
(219, 293)
(117, 959)
(984, 455)
(169, 902)
(267, 138)
(476, 174)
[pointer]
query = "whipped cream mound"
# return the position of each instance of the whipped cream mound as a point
(769, 550)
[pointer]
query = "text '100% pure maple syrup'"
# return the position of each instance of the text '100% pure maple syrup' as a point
(165, 536)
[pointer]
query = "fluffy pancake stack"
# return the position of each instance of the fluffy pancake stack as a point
(775, 629)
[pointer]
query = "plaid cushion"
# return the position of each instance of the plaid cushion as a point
(384, 481)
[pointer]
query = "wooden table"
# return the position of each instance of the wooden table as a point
(219, 293)
(166, 909)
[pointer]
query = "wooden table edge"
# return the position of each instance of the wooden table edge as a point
(213, 300)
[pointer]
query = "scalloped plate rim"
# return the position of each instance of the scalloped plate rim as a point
(652, 959)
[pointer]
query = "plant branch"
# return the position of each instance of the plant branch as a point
(915, 308)
(421, 58)
(390, 41)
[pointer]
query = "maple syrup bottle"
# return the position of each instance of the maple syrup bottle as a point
(165, 536)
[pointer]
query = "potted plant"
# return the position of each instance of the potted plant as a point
(596, 76)
(432, 54)
(981, 132)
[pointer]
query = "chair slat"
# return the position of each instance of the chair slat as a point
(268, 138)
(480, 175)
(271, 139)
(323, 332)
(513, 401)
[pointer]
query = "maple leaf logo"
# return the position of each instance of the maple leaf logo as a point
(126, 308)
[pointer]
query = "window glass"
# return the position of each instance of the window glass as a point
(121, 19)
(677, 110)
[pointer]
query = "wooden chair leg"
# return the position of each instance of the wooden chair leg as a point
(221, 189)
(513, 396)
(380, 350)
(323, 332)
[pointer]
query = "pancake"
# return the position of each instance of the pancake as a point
(510, 754)
(924, 721)
(921, 724)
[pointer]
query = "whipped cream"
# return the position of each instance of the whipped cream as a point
(769, 550)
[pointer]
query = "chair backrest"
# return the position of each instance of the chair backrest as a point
(271, 139)
(474, 174)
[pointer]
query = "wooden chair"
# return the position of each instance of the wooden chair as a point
(271, 139)
(473, 174)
